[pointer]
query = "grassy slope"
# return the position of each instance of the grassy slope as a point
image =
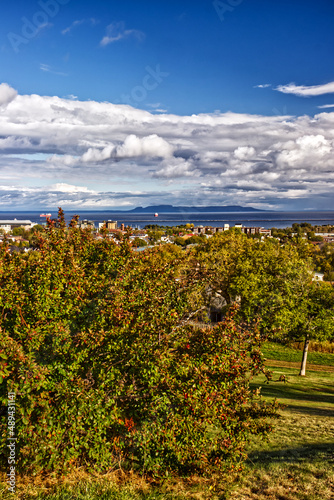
(311, 394)
(295, 463)
(283, 353)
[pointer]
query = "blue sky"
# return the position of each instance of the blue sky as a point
(138, 102)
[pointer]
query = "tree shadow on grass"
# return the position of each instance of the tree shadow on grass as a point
(308, 452)
(322, 394)
(309, 410)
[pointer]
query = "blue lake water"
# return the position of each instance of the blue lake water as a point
(261, 219)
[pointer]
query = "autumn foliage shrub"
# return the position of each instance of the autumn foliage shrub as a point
(106, 370)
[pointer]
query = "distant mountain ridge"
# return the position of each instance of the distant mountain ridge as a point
(210, 209)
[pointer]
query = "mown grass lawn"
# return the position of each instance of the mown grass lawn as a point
(296, 462)
(282, 352)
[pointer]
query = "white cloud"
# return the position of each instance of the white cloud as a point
(7, 94)
(117, 32)
(306, 91)
(305, 153)
(66, 160)
(244, 152)
(68, 195)
(47, 69)
(324, 106)
(68, 188)
(67, 30)
(133, 146)
(176, 168)
(262, 86)
(222, 158)
(151, 145)
(71, 96)
(156, 107)
(78, 22)
(96, 155)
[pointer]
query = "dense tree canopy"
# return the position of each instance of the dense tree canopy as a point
(108, 371)
(270, 282)
(112, 365)
(265, 278)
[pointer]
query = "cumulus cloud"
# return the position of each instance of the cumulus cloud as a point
(133, 146)
(177, 167)
(220, 158)
(7, 94)
(151, 145)
(95, 154)
(117, 32)
(62, 187)
(306, 91)
(244, 152)
(66, 160)
(305, 153)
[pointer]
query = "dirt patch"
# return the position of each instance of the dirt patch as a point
(296, 364)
